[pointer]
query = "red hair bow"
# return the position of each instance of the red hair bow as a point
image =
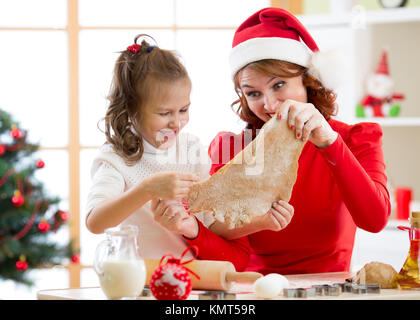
(134, 48)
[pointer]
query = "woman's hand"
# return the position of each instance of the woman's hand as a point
(277, 218)
(171, 214)
(308, 123)
(169, 185)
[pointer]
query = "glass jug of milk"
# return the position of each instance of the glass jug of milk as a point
(118, 264)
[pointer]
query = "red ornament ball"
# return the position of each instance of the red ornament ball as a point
(43, 226)
(75, 258)
(63, 215)
(16, 133)
(171, 281)
(21, 265)
(18, 200)
(40, 164)
(2, 149)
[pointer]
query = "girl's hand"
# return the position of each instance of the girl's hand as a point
(172, 215)
(308, 123)
(278, 217)
(169, 185)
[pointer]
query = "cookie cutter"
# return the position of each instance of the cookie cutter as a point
(217, 295)
(358, 288)
(373, 288)
(327, 290)
(146, 292)
(342, 285)
(367, 288)
(331, 290)
(347, 287)
(299, 292)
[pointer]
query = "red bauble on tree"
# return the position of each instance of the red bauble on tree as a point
(75, 258)
(171, 281)
(15, 132)
(63, 215)
(40, 164)
(43, 226)
(59, 218)
(2, 149)
(18, 200)
(21, 265)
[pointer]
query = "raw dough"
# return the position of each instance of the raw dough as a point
(270, 286)
(379, 273)
(264, 172)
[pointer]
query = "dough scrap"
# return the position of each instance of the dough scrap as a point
(377, 272)
(262, 173)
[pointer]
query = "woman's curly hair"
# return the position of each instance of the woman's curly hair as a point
(323, 99)
(137, 75)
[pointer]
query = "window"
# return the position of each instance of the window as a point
(35, 90)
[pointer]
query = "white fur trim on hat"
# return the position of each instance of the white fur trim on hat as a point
(268, 48)
(330, 67)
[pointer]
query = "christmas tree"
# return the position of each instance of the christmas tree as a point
(28, 215)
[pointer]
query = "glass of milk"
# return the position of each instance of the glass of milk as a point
(118, 264)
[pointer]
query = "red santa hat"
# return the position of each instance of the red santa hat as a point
(274, 33)
(383, 64)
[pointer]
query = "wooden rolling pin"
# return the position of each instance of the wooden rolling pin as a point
(214, 275)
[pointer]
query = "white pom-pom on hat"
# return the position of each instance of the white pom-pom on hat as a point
(329, 67)
(274, 33)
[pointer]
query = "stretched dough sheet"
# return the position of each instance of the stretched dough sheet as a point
(262, 173)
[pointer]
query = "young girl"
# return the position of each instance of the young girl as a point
(145, 156)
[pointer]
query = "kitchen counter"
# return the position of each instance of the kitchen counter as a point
(244, 291)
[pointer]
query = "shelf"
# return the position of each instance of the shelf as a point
(380, 16)
(393, 15)
(390, 122)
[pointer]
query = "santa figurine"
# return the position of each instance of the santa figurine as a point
(378, 101)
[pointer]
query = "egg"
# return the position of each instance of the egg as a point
(270, 286)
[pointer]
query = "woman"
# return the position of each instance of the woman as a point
(341, 183)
